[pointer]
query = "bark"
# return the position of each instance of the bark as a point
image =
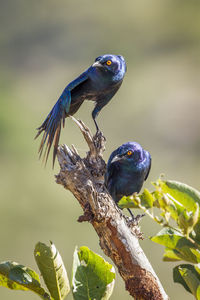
(118, 234)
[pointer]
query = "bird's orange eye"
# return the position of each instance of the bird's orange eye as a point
(129, 153)
(109, 62)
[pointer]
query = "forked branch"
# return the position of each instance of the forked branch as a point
(118, 236)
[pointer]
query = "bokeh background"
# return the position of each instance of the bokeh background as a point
(44, 45)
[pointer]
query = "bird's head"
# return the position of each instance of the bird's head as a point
(128, 154)
(113, 65)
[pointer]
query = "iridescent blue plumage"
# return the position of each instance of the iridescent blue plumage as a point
(98, 83)
(127, 169)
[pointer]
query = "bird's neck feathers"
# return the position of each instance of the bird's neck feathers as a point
(106, 77)
(131, 167)
(119, 74)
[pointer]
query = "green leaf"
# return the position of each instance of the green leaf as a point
(128, 202)
(18, 277)
(183, 195)
(187, 275)
(184, 222)
(52, 269)
(175, 241)
(196, 229)
(147, 199)
(198, 293)
(92, 276)
(171, 239)
(196, 252)
(177, 277)
(170, 255)
(194, 218)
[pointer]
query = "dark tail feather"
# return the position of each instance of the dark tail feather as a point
(51, 127)
(56, 141)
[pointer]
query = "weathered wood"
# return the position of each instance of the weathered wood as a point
(118, 235)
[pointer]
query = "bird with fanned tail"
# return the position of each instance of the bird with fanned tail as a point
(98, 83)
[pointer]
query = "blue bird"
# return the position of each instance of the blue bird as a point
(98, 83)
(127, 169)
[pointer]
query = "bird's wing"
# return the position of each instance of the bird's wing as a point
(81, 78)
(110, 182)
(109, 175)
(148, 170)
(111, 168)
(52, 124)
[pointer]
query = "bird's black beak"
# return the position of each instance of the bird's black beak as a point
(97, 64)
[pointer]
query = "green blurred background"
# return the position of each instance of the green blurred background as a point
(44, 45)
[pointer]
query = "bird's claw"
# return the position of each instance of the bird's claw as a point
(134, 220)
(99, 134)
(99, 140)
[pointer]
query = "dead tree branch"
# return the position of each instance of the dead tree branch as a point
(118, 236)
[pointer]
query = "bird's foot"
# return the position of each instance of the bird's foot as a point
(134, 220)
(99, 141)
(137, 219)
(133, 223)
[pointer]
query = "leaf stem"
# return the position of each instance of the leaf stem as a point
(161, 223)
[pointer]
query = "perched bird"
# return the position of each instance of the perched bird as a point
(98, 83)
(127, 169)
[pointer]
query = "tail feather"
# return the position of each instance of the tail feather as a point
(51, 128)
(56, 141)
(48, 145)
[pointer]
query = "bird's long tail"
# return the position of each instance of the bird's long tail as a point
(52, 128)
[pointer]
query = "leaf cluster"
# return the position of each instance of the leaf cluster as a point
(175, 206)
(92, 276)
